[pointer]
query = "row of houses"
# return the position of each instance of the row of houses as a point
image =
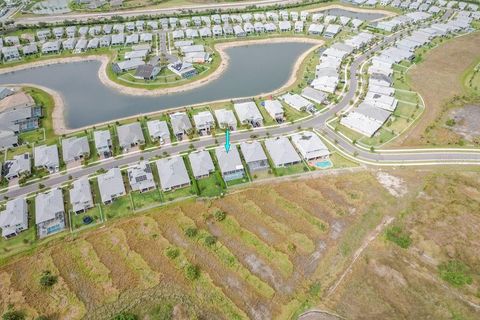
(18, 113)
(50, 209)
(379, 102)
(327, 72)
(401, 21)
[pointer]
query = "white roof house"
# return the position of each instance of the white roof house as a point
(315, 29)
(49, 212)
(366, 119)
(332, 30)
(230, 163)
(275, 109)
(310, 145)
(103, 142)
(14, 218)
(173, 173)
(158, 130)
(204, 122)
(47, 157)
(248, 113)
(298, 102)
(111, 185)
(180, 124)
(226, 119)
(379, 100)
(75, 148)
(130, 135)
(140, 176)
(314, 95)
(282, 152)
(81, 195)
(201, 163)
(20, 164)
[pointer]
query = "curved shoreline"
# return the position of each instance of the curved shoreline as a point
(58, 116)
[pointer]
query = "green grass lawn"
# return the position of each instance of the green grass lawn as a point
(411, 97)
(146, 199)
(339, 161)
(381, 136)
(210, 186)
(34, 136)
(179, 193)
(235, 182)
(77, 219)
(120, 207)
(406, 110)
(291, 169)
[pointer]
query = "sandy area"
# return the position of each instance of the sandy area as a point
(387, 13)
(59, 125)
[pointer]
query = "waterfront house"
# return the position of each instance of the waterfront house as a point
(282, 152)
(130, 135)
(204, 122)
(93, 43)
(201, 163)
(298, 102)
(270, 27)
(310, 146)
(254, 155)
(230, 163)
(110, 185)
(16, 167)
(69, 44)
(158, 130)
(30, 49)
(181, 125)
(81, 45)
(183, 69)
(105, 41)
(10, 54)
(259, 27)
(118, 39)
(51, 47)
(217, 31)
(299, 26)
(46, 157)
(285, 26)
(315, 29)
(226, 119)
(81, 195)
(49, 212)
(248, 113)
(173, 173)
(275, 109)
(75, 148)
(314, 95)
(147, 71)
(140, 177)
(14, 219)
(248, 27)
(227, 29)
(103, 143)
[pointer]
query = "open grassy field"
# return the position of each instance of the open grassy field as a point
(271, 252)
(440, 79)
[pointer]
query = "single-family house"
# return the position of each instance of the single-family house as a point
(51, 47)
(49, 212)
(310, 146)
(140, 177)
(75, 148)
(81, 195)
(181, 125)
(226, 119)
(14, 219)
(248, 113)
(230, 163)
(314, 95)
(298, 102)
(183, 69)
(103, 143)
(275, 109)
(254, 155)
(47, 157)
(158, 130)
(204, 122)
(173, 173)
(110, 185)
(16, 167)
(282, 152)
(10, 54)
(30, 49)
(130, 135)
(332, 30)
(201, 163)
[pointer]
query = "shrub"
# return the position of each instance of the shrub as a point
(172, 252)
(450, 122)
(125, 316)
(48, 279)
(455, 272)
(220, 215)
(191, 232)
(13, 315)
(210, 240)
(193, 272)
(398, 236)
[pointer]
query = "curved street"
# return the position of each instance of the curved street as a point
(395, 157)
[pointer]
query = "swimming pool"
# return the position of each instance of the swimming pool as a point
(323, 164)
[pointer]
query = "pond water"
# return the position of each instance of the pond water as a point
(253, 69)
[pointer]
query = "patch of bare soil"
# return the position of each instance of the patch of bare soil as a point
(467, 122)
(438, 79)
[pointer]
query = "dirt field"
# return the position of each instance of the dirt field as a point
(279, 251)
(438, 78)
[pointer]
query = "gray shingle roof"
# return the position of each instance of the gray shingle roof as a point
(172, 172)
(201, 163)
(281, 151)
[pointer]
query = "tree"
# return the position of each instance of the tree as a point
(210, 240)
(48, 279)
(13, 315)
(193, 272)
(220, 215)
(191, 232)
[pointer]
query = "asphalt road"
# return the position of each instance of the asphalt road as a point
(150, 11)
(380, 157)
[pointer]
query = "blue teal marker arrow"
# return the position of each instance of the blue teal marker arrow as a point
(227, 140)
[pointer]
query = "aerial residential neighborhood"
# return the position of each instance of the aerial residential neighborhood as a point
(239, 160)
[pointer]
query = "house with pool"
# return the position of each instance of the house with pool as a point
(230, 163)
(49, 212)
